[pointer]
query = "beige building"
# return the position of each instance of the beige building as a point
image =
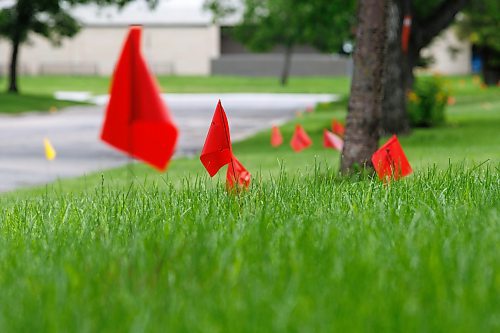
(179, 38)
(450, 54)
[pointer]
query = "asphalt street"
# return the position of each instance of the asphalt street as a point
(74, 133)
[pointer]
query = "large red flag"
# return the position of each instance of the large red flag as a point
(300, 139)
(330, 140)
(405, 33)
(338, 128)
(236, 173)
(137, 120)
(276, 137)
(217, 150)
(390, 161)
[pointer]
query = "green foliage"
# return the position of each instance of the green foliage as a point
(299, 253)
(481, 23)
(325, 24)
(48, 18)
(427, 103)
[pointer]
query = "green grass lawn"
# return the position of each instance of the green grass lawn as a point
(191, 84)
(38, 91)
(304, 250)
(11, 104)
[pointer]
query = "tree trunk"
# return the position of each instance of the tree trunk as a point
(365, 103)
(13, 66)
(394, 116)
(491, 66)
(285, 73)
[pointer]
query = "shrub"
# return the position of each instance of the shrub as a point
(427, 103)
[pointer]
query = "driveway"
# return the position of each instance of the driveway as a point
(74, 133)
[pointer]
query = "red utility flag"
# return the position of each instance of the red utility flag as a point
(405, 33)
(330, 140)
(236, 171)
(390, 161)
(217, 150)
(338, 128)
(276, 137)
(137, 120)
(300, 139)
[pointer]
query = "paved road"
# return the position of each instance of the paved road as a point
(74, 133)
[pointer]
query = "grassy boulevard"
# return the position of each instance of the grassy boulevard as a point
(302, 251)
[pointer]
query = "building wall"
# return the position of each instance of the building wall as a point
(451, 55)
(272, 65)
(182, 50)
(189, 50)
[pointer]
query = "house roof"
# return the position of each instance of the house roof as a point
(6, 3)
(167, 12)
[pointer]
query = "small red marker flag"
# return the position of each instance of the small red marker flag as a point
(137, 120)
(405, 33)
(330, 140)
(217, 150)
(390, 161)
(338, 128)
(300, 139)
(276, 137)
(236, 173)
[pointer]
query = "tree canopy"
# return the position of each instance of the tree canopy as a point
(324, 24)
(48, 18)
(481, 23)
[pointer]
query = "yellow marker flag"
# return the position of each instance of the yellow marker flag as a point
(50, 152)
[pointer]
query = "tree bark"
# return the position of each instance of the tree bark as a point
(394, 115)
(365, 103)
(440, 19)
(285, 73)
(423, 30)
(13, 67)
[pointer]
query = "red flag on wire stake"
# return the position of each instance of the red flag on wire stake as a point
(390, 161)
(276, 137)
(331, 140)
(405, 33)
(338, 128)
(236, 175)
(217, 150)
(137, 120)
(300, 139)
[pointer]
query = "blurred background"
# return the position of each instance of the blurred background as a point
(181, 37)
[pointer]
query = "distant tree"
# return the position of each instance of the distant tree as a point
(481, 26)
(48, 18)
(429, 19)
(365, 102)
(324, 24)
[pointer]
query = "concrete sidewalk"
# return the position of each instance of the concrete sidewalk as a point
(74, 133)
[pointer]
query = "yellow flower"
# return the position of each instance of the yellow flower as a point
(412, 97)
